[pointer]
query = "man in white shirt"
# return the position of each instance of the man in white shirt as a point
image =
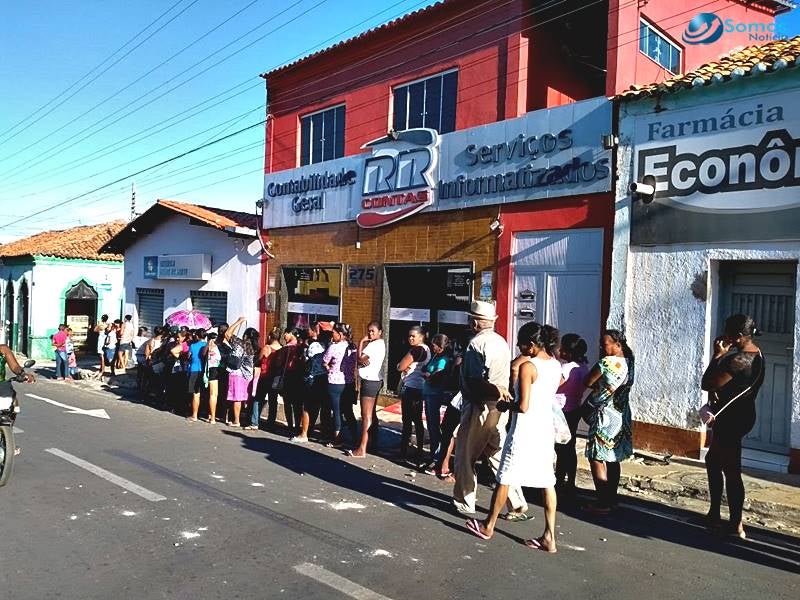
(485, 373)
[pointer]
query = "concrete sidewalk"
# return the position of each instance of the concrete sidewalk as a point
(772, 499)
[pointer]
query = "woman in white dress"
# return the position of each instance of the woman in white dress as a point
(527, 458)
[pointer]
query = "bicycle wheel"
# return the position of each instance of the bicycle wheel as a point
(7, 448)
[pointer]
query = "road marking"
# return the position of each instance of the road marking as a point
(338, 582)
(108, 475)
(93, 412)
(18, 430)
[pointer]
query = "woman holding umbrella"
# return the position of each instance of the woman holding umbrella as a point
(191, 319)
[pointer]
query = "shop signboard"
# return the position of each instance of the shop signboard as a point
(183, 266)
(728, 171)
(547, 153)
(312, 194)
(544, 154)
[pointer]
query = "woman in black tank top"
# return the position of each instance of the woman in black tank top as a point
(732, 381)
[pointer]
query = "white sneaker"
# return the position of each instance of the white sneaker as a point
(297, 439)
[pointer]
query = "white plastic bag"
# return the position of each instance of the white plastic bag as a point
(560, 426)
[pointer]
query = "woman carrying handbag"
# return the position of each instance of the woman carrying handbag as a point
(732, 379)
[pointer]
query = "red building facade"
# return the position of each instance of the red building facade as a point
(463, 68)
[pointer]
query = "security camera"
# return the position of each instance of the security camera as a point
(644, 190)
(495, 225)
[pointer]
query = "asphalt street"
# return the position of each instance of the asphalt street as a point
(145, 505)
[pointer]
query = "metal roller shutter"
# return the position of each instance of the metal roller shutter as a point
(151, 307)
(212, 304)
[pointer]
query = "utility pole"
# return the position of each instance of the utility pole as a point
(133, 200)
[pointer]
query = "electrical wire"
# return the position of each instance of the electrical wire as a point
(434, 29)
(489, 29)
(98, 173)
(77, 81)
(542, 23)
(49, 170)
(60, 147)
(130, 175)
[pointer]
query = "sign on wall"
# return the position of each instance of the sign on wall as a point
(178, 266)
(362, 275)
(151, 267)
(724, 172)
(546, 153)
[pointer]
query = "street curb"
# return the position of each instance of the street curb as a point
(672, 490)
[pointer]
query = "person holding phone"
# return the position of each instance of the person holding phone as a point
(732, 379)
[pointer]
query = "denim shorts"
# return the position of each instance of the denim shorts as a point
(370, 389)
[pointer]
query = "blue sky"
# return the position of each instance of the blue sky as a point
(52, 155)
(48, 45)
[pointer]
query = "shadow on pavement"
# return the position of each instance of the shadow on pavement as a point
(305, 460)
(639, 518)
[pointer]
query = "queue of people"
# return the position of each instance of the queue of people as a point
(321, 373)
(117, 343)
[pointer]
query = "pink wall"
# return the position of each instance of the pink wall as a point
(627, 66)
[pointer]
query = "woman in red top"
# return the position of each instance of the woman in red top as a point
(264, 386)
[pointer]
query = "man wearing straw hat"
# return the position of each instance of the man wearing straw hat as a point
(485, 373)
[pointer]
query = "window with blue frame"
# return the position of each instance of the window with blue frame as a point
(322, 135)
(429, 102)
(655, 44)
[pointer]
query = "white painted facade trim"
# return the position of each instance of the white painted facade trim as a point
(235, 268)
(670, 329)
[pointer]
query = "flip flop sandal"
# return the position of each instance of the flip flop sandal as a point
(474, 526)
(536, 544)
(516, 517)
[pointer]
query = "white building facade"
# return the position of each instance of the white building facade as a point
(181, 256)
(58, 277)
(720, 236)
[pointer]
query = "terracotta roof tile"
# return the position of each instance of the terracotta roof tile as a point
(215, 217)
(772, 56)
(222, 219)
(79, 242)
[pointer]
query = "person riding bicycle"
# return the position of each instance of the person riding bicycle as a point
(7, 358)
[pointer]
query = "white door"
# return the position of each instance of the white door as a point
(557, 279)
(766, 291)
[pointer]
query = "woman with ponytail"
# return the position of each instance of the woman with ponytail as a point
(732, 381)
(608, 414)
(527, 458)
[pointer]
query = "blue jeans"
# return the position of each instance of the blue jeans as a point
(62, 369)
(434, 399)
(335, 391)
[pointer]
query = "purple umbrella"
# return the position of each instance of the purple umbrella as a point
(193, 319)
